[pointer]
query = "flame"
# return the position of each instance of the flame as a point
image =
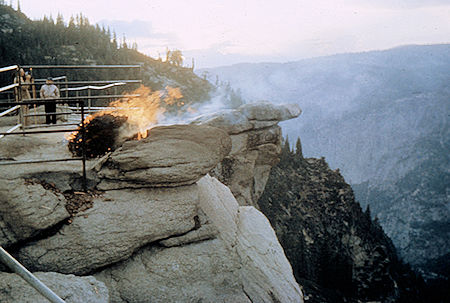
(142, 112)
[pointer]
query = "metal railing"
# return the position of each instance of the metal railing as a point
(82, 129)
(80, 66)
(31, 279)
(21, 106)
(80, 109)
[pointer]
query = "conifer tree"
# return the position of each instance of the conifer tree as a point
(298, 148)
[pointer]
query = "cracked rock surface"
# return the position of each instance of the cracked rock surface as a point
(118, 224)
(26, 209)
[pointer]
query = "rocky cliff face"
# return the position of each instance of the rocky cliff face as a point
(256, 146)
(337, 252)
(154, 227)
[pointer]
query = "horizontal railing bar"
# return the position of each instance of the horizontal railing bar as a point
(86, 112)
(8, 68)
(92, 87)
(9, 110)
(8, 87)
(39, 161)
(53, 78)
(79, 66)
(95, 107)
(91, 82)
(39, 132)
(71, 99)
(11, 129)
(51, 125)
(46, 114)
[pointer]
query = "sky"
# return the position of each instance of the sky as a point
(224, 32)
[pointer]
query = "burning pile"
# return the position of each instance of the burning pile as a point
(123, 120)
(101, 136)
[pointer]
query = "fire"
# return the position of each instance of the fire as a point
(134, 116)
(142, 112)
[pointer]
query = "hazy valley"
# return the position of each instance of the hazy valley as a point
(382, 118)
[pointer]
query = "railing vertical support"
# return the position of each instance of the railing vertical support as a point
(31, 279)
(67, 88)
(83, 146)
(89, 100)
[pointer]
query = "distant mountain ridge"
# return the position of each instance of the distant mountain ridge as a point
(382, 117)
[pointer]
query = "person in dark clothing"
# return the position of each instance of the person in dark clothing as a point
(49, 91)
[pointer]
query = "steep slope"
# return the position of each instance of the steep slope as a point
(382, 118)
(337, 252)
(27, 42)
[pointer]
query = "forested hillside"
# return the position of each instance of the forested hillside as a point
(338, 253)
(76, 41)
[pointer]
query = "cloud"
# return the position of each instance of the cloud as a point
(150, 41)
(137, 29)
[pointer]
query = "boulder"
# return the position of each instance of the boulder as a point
(266, 111)
(26, 209)
(117, 225)
(170, 156)
(70, 288)
(249, 116)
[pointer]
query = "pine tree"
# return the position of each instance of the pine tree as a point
(286, 148)
(59, 20)
(124, 42)
(298, 149)
(114, 40)
(367, 212)
(72, 22)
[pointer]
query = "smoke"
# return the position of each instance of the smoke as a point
(224, 98)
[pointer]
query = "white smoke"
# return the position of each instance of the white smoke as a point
(223, 99)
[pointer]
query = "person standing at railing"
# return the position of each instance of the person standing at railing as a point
(49, 91)
(25, 81)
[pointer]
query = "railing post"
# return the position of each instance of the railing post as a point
(89, 100)
(83, 146)
(67, 88)
(19, 269)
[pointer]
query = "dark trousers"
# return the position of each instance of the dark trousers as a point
(50, 108)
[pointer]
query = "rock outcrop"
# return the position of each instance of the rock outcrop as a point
(117, 225)
(256, 145)
(177, 235)
(245, 263)
(70, 288)
(170, 156)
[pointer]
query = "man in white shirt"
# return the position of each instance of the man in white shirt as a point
(49, 91)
